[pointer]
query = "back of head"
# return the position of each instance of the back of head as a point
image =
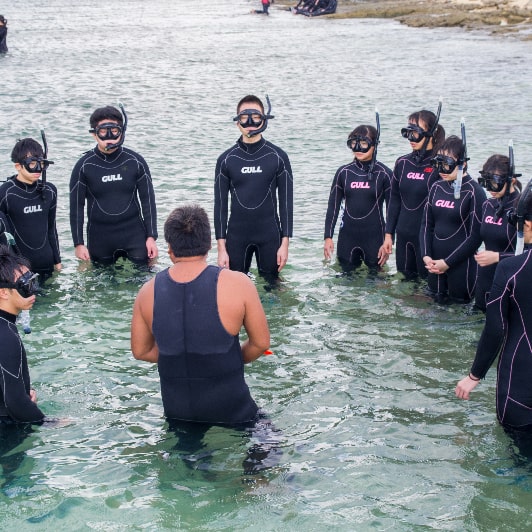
(10, 264)
(3, 20)
(24, 148)
(188, 231)
(250, 98)
(106, 113)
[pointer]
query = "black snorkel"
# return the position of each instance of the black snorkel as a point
(374, 156)
(430, 134)
(123, 136)
(265, 118)
(461, 162)
(518, 216)
(511, 175)
(45, 164)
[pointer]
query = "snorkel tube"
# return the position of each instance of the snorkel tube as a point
(518, 218)
(374, 156)
(265, 118)
(45, 163)
(511, 175)
(461, 162)
(430, 133)
(124, 127)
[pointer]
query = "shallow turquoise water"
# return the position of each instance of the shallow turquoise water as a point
(361, 383)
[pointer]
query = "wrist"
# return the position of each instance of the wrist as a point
(473, 378)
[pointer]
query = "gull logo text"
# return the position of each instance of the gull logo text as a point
(251, 170)
(112, 177)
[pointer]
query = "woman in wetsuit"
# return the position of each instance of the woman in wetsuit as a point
(413, 175)
(498, 235)
(362, 186)
(450, 227)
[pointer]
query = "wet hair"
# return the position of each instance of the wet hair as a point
(106, 113)
(500, 165)
(250, 98)
(10, 264)
(24, 148)
(527, 205)
(364, 131)
(188, 231)
(429, 119)
(3, 20)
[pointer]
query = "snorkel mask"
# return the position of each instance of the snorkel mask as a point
(415, 133)
(361, 144)
(26, 285)
(254, 118)
(518, 216)
(112, 131)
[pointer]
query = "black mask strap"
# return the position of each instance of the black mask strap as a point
(374, 156)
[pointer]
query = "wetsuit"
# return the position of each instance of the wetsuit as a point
(450, 230)
(257, 176)
(498, 235)
(15, 402)
(411, 182)
(508, 333)
(30, 212)
(200, 363)
(4, 226)
(121, 212)
(3, 39)
(362, 225)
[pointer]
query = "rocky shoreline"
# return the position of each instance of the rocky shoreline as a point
(506, 17)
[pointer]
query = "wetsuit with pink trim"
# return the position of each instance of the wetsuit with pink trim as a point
(362, 224)
(411, 182)
(508, 333)
(259, 177)
(497, 235)
(450, 230)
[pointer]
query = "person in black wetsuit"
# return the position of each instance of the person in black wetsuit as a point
(28, 204)
(362, 186)
(498, 235)
(3, 35)
(258, 176)
(117, 186)
(450, 227)
(18, 400)
(508, 332)
(412, 177)
(188, 319)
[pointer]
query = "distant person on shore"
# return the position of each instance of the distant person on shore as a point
(507, 334)
(3, 35)
(413, 175)
(315, 8)
(258, 177)
(362, 186)
(499, 236)
(265, 7)
(28, 205)
(116, 184)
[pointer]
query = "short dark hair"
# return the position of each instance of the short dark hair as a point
(250, 98)
(24, 148)
(188, 231)
(10, 264)
(106, 113)
(364, 130)
(500, 165)
(452, 145)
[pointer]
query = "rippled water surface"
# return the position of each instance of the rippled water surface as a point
(361, 385)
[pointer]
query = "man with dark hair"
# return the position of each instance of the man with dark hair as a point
(18, 400)
(117, 186)
(28, 204)
(3, 34)
(188, 319)
(258, 176)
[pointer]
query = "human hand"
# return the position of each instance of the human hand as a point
(82, 253)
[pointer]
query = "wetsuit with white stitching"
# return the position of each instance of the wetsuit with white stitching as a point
(30, 213)
(498, 235)
(411, 182)
(362, 224)
(508, 333)
(450, 230)
(257, 176)
(15, 402)
(200, 363)
(121, 211)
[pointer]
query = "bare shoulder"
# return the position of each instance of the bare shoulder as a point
(236, 280)
(145, 294)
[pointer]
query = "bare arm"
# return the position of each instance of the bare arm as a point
(255, 324)
(143, 344)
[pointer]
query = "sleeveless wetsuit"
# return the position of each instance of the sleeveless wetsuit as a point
(362, 225)
(411, 182)
(30, 212)
(121, 212)
(200, 363)
(508, 333)
(257, 176)
(498, 235)
(15, 402)
(450, 230)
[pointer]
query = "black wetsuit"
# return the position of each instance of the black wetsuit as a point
(411, 182)
(30, 212)
(257, 176)
(508, 333)
(498, 235)
(121, 211)
(3, 39)
(200, 363)
(362, 226)
(450, 230)
(15, 402)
